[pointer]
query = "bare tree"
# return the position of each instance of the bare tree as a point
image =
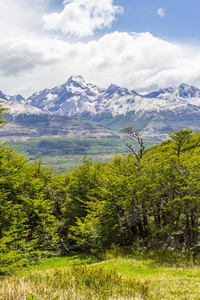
(136, 135)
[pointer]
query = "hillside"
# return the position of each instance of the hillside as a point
(24, 126)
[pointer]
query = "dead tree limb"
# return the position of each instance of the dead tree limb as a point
(136, 135)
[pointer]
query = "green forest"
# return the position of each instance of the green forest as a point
(147, 200)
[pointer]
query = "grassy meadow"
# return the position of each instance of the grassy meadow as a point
(115, 275)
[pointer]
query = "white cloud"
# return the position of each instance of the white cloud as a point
(29, 61)
(138, 61)
(17, 55)
(82, 18)
(161, 12)
(21, 18)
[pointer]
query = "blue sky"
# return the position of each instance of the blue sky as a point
(181, 21)
(142, 45)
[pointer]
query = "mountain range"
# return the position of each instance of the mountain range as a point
(108, 109)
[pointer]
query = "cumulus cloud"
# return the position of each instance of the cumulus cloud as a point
(83, 18)
(161, 12)
(32, 61)
(142, 61)
(17, 56)
(137, 61)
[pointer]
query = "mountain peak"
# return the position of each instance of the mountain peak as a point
(10, 98)
(77, 82)
(16, 97)
(115, 89)
(3, 96)
(161, 94)
(76, 78)
(188, 91)
(184, 85)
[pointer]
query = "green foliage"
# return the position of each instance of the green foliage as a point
(154, 203)
(27, 220)
(31, 297)
(127, 202)
(1, 115)
(180, 137)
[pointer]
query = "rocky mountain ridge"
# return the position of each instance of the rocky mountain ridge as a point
(154, 113)
(76, 97)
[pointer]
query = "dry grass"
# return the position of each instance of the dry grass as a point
(82, 283)
(154, 276)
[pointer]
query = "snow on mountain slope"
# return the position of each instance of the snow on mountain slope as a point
(71, 98)
(15, 98)
(10, 98)
(155, 113)
(183, 94)
(2, 96)
(15, 108)
(166, 99)
(16, 105)
(76, 97)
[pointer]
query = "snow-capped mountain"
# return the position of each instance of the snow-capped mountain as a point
(15, 108)
(71, 98)
(162, 100)
(78, 98)
(2, 96)
(116, 107)
(16, 105)
(10, 98)
(25, 120)
(184, 93)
